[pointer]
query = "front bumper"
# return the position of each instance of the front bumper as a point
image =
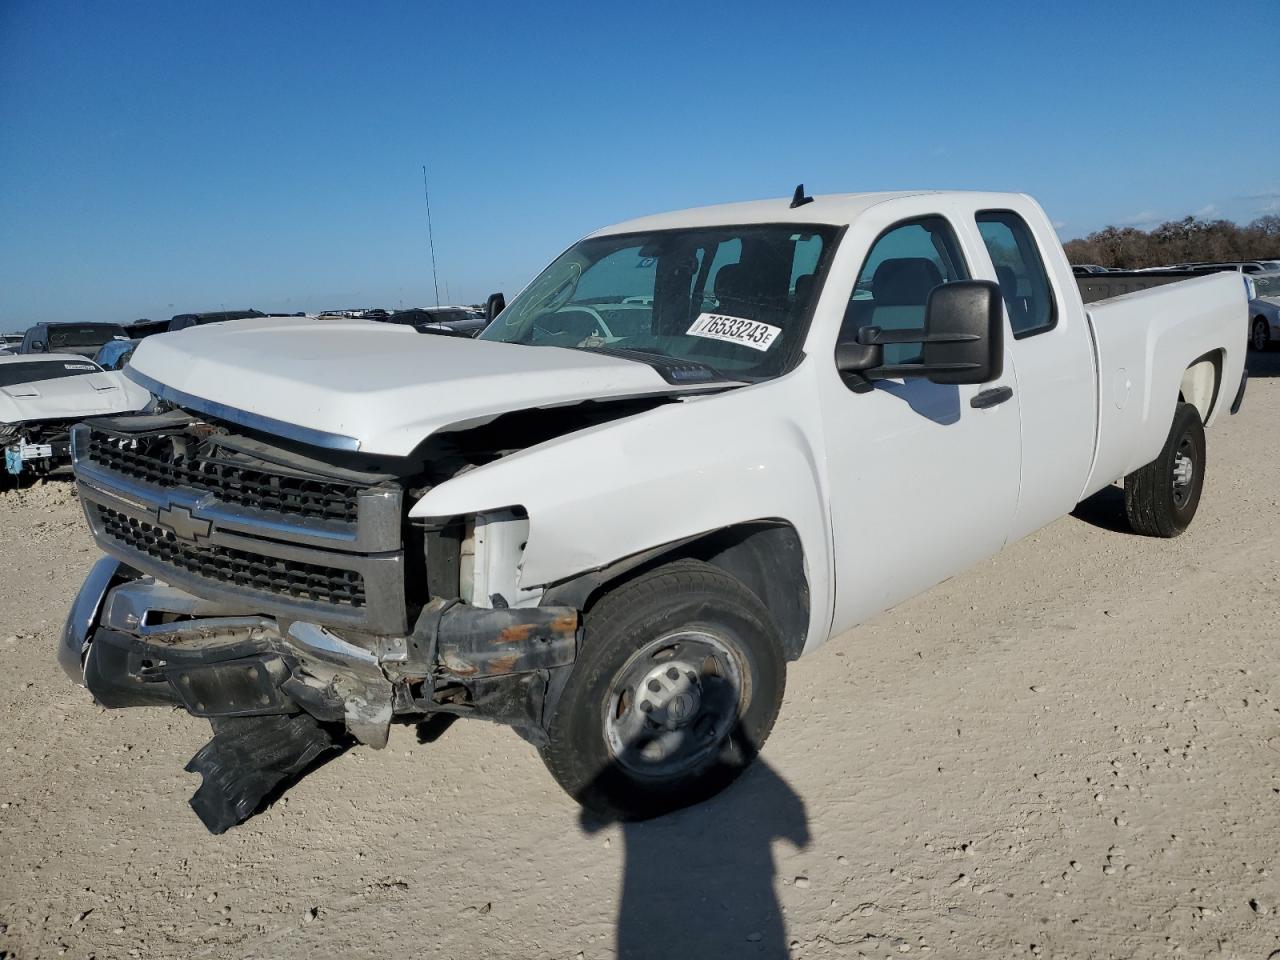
(135, 641)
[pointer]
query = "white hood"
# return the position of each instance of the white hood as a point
(66, 398)
(382, 386)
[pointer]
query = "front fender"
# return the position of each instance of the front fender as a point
(672, 472)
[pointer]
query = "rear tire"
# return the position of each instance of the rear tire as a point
(1161, 498)
(1260, 335)
(675, 689)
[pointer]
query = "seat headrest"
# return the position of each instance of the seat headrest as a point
(804, 288)
(904, 282)
(729, 282)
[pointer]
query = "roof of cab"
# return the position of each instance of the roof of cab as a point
(839, 209)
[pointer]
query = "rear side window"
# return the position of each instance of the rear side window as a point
(893, 286)
(1020, 271)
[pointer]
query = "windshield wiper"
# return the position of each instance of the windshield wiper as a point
(669, 368)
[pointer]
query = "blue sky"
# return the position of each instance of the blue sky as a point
(165, 157)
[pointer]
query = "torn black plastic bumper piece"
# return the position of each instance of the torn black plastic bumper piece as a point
(250, 758)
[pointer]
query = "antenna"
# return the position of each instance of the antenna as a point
(799, 199)
(435, 282)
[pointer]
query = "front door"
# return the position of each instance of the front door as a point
(922, 483)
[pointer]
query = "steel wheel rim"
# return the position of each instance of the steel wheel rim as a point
(693, 684)
(1184, 471)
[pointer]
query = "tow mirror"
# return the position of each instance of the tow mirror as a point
(962, 339)
(494, 305)
(965, 327)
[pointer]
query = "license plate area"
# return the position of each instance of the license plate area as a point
(234, 688)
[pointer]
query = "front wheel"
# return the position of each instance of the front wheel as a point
(1161, 498)
(676, 687)
(1260, 334)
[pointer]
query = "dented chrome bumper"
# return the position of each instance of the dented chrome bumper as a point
(134, 641)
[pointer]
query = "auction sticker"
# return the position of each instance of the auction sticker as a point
(749, 333)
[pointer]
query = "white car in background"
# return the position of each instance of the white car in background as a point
(43, 395)
(1264, 311)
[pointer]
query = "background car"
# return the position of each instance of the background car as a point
(1264, 311)
(84, 339)
(446, 321)
(115, 354)
(181, 321)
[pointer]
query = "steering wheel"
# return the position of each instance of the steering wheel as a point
(602, 327)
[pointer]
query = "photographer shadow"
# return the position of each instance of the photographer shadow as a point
(701, 882)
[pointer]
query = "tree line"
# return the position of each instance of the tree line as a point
(1179, 241)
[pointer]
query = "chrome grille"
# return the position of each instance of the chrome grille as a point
(241, 568)
(164, 461)
(193, 505)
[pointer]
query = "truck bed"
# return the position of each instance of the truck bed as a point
(1105, 286)
(1174, 336)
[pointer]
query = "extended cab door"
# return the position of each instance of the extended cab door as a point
(922, 483)
(1052, 352)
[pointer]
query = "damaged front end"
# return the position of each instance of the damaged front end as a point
(35, 449)
(282, 693)
(279, 587)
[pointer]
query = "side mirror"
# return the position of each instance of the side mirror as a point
(963, 339)
(964, 324)
(37, 346)
(494, 305)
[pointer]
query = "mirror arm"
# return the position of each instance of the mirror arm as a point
(916, 370)
(878, 335)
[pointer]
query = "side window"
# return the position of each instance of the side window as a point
(893, 286)
(1024, 282)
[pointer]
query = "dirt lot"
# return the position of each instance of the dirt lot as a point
(1070, 751)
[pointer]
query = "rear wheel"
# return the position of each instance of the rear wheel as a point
(675, 689)
(1161, 498)
(1260, 334)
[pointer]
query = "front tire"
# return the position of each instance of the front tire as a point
(1161, 498)
(676, 688)
(1260, 334)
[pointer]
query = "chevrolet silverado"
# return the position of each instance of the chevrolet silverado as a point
(696, 446)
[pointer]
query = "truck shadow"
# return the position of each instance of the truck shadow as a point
(1261, 365)
(701, 882)
(1105, 510)
(937, 402)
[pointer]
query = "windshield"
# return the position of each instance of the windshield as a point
(736, 300)
(31, 370)
(92, 335)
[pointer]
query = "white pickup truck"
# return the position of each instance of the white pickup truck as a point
(691, 450)
(42, 396)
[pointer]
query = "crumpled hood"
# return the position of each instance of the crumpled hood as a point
(382, 386)
(65, 398)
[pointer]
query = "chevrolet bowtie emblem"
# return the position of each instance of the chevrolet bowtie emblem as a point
(180, 522)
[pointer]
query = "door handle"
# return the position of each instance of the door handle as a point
(990, 397)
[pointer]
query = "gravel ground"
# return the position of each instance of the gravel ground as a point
(1069, 751)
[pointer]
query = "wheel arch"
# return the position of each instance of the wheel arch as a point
(1201, 382)
(766, 556)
